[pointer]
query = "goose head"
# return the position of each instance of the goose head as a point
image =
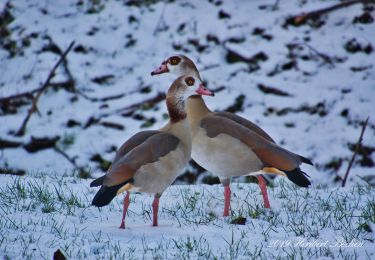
(185, 86)
(178, 65)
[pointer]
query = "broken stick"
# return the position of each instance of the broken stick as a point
(33, 107)
(302, 18)
(357, 147)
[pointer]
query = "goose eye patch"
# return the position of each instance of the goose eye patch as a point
(190, 81)
(174, 60)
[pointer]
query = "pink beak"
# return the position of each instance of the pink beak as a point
(162, 69)
(202, 90)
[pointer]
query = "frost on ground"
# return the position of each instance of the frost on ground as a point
(310, 86)
(40, 214)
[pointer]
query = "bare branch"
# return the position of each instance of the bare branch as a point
(208, 67)
(33, 107)
(161, 25)
(146, 103)
(302, 18)
(12, 171)
(128, 109)
(29, 94)
(53, 47)
(82, 173)
(323, 56)
(358, 146)
(66, 156)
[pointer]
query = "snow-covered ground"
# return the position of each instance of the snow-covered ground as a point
(327, 70)
(41, 214)
(246, 49)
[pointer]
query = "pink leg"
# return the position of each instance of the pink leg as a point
(126, 205)
(263, 188)
(155, 209)
(227, 193)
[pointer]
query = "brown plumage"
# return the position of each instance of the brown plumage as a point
(246, 123)
(174, 113)
(151, 160)
(228, 145)
(270, 154)
(146, 149)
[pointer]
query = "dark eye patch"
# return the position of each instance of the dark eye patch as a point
(190, 81)
(174, 60)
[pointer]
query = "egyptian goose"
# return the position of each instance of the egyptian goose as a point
(151, 160)
(229, 145)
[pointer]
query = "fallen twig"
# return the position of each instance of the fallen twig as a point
(28, 94)
(11, 171)
(146, 103)
(112, 97)
(161, 25)
(95, 99)
(9, 144)
(36, 144)
(271, 90)
(323, 56)
(82, 173)
(302, 18)
(66, 156)
(33, 107)
(208, 67)
(218, 89)
(56, 49)
(358, 146)
(128, 109)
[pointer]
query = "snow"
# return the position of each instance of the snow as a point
(45, 212)
(105, 33)
(311, 122)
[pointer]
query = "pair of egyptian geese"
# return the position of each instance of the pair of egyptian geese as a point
(223, 143)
